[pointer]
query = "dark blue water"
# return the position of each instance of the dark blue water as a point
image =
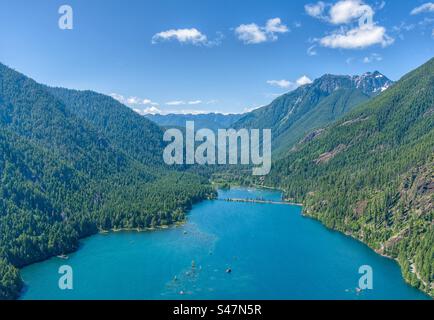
(273, 252)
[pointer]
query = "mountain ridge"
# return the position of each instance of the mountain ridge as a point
(212, 120)
(370, 174)
(326, 99)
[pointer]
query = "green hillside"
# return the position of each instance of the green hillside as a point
(135, 135)
(68, 172)
(293, 115)
(370, 174)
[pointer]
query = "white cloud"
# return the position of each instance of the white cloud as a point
(357, 38)
(150, 110)
(182, 102)
(254, 34)
(426, 7)
(195, 102)
(275, 26)
(192, 36)
(189, 111)
(175, 103)
(342, 12)
(303, 81)
(250, 33)
(147, 106)
(280, 83)
(289, 85)
(118, 97)
(346, 12)
(372, 58)
(132, 101)
(315, 10)
(311, 51)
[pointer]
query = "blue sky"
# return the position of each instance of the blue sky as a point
(211, 55)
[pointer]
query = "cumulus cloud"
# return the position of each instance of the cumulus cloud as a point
(290, 85)
(426, 7)
(132, 101)
(345, 12)
(357, 38)
(147, 106)
(254, 34)
(275, 26)
(150, 110)
(250, 33)
(315, 10)
(303, 81)
(186, 36)
(280, 83)
(118, 97)
(192, 35)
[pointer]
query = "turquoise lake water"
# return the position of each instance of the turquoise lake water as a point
(273, 251)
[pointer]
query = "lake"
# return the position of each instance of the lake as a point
(272, 251)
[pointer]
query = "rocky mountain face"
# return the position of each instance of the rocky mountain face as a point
(369, 83)
(295, 114)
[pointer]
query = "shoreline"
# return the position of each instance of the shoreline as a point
(407, 281)
(178, 224)
(141, 230)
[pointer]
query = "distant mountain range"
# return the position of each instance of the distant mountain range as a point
(295, 114)
(213, 121)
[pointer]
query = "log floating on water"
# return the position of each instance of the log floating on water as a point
(263, 201)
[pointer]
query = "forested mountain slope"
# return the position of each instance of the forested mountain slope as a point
(67, 174)
(371, 174)
(129, 132)
(327, 99)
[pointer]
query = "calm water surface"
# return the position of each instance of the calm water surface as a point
(273, 252)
